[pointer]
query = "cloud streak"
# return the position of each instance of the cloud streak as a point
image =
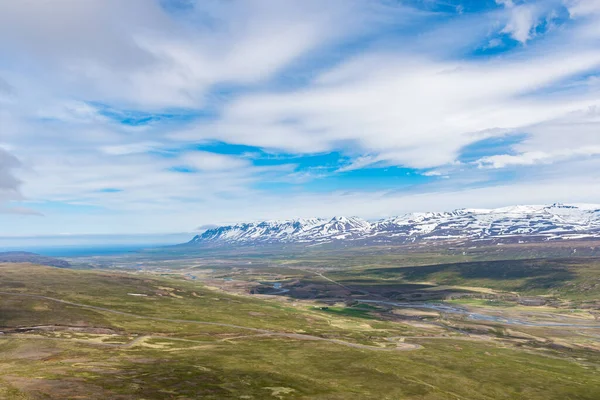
(9, 184)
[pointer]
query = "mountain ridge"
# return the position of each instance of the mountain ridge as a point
(542, 222)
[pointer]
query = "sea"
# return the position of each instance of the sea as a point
(81, 250)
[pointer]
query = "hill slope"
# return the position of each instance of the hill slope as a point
(33, 258)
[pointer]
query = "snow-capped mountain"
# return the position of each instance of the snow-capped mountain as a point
(290, 231)
(556, 221)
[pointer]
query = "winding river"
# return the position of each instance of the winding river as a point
(446, 308)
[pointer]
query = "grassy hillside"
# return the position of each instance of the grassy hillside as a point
(104, 340)
(570, 279)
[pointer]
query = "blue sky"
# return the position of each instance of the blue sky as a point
(143, 116)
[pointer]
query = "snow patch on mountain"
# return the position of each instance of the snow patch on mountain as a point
(548, 221)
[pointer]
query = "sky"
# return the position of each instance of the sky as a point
(164, 116)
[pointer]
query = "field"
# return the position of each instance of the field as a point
(302, 327)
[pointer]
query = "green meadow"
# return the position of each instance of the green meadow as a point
(124, 336)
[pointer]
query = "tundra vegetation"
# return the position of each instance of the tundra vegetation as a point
(343, 324)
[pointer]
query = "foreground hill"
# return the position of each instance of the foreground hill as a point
(511, 224)
(72, 334)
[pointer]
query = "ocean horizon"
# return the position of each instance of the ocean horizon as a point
(81, 250)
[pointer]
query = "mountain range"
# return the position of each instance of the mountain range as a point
(515, 223)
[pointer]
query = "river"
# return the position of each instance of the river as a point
(478, 316)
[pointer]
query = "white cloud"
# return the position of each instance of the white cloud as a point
(131, 148)
(582, 8)
(9, 184)
(406, 111)
(433, 173)
(504, 160)
(144, 182)
(205, 161)
(359, 163)
(536, 157)
(134, 52)
(506, 3)
(523, 20)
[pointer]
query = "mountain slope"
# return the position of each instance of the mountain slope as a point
(557, 221)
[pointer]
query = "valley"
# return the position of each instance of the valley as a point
(342, 325)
